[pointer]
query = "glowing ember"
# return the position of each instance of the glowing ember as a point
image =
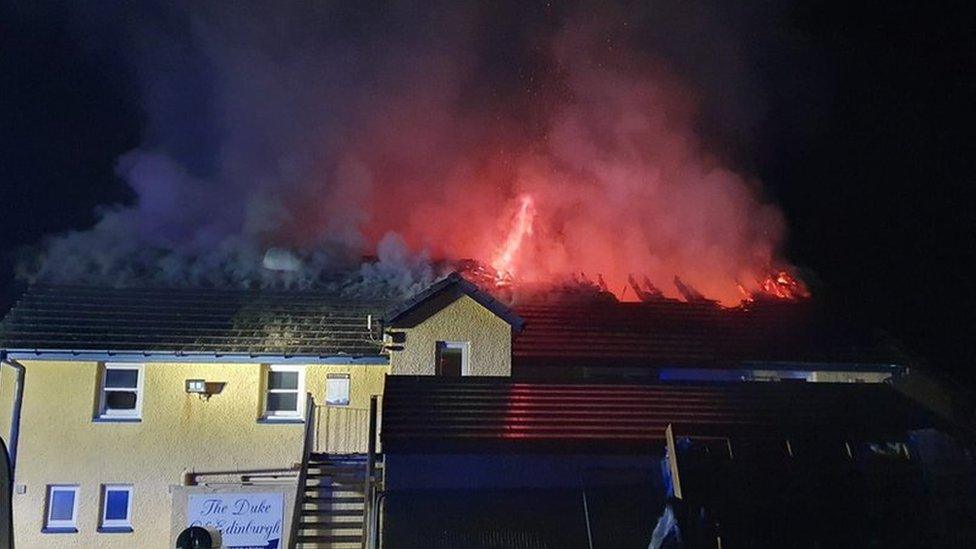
(504, 260)
(783, 285)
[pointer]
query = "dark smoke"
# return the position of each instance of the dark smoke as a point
(285, 141)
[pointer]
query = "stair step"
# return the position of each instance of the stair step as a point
(332, 503)
(341, 522)
(330, 539)
(338, 484)
(317, 473)
(331, 525)
(351, 538)
(330, 492)
(333, 512)
(334, 499)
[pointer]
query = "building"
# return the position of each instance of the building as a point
(124, 409)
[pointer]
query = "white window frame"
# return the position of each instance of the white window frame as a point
(278, 415)
(135, 413)
(52, 524)
(116, 523)
(464, 347)
(348, 379)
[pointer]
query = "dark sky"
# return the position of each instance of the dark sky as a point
(862, 141)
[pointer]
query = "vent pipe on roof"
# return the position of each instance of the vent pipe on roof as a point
(17, 404)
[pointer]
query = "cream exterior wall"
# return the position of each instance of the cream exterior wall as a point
(60, 444)
(464, 320)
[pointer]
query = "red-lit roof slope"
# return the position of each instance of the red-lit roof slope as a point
(608, 333)
(430, 414)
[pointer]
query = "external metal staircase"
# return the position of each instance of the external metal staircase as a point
(336, 493)
(332, 512)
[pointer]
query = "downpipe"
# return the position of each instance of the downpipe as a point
(17, 405)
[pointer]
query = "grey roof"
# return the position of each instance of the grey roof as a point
(185, 321)
(438, 295)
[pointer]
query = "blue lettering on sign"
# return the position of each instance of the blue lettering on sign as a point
(243, 520)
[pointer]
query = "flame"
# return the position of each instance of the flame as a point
(783, 285)
(504, 259)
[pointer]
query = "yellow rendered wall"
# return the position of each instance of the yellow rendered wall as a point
(60, 444)
(464, 320)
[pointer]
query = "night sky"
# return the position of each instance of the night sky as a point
(860, 137)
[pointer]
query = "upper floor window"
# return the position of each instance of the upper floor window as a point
(451, 358)
(121, 391)
(116, 508)
(62, 509)
(285, 392)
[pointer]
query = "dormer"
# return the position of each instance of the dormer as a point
(451, 329)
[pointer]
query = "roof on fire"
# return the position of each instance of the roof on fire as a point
(222, 324)
(170, 323)
(671, 332)
(441, 414)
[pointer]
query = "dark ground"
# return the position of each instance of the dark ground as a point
(869, 154)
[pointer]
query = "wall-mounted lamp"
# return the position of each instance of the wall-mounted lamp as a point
(203, 388)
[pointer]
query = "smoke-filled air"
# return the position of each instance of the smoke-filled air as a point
(333, 145)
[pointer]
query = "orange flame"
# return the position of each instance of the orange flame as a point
(783, 285)
(504, 260)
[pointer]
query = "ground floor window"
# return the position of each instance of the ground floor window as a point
(116, 508)
(62, 509)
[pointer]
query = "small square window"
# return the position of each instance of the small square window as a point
(62, 509)
(451, 359)
(337, 389)
(116, 508)
(121, 391)
(285, 389)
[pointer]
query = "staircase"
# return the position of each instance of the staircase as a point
(332, 502)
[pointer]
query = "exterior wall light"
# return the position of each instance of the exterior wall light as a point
(196, 386)
(203, 388)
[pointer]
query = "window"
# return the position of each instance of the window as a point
(116, 508)
(121, 394)
(62, 509)
(286, 389)
(337, 389)
(451, 359)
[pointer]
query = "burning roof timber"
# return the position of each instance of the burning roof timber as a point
(671, 332)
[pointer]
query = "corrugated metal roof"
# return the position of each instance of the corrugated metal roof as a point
(679, 333)
(285, 323)
(429, 413)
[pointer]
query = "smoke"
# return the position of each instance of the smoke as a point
(320, 133)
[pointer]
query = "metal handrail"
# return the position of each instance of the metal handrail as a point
(192, 478)
(325, 415)
(370, 484)
(296, 515)
(373, 535)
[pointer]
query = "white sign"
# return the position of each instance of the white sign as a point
(245, 521)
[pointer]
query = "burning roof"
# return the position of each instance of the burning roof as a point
(579, 323)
